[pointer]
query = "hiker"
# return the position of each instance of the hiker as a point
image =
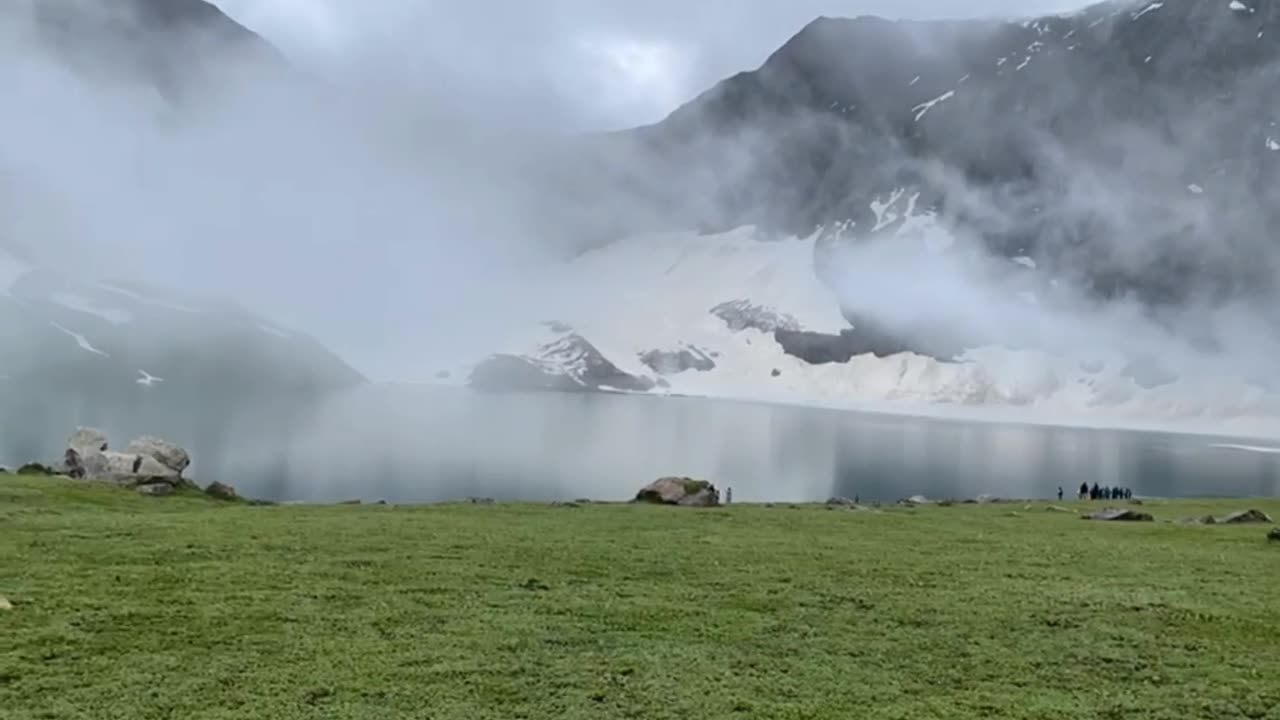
(1084, 490)
(1128, 493)
(1059, 493)
(1095, 493)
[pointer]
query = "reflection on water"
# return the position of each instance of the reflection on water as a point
(414, 444)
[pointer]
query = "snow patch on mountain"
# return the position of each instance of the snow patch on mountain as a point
(81, 340)
(689, 314)
(81, 304)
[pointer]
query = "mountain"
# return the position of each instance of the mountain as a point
(172, 44)
(1122, 158)
(116, 353)
(135, 359)
(1047, 137)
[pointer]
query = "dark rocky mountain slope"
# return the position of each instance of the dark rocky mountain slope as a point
(1131, 145)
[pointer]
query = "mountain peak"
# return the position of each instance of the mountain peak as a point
(166, 42)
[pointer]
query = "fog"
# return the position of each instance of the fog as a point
(406, 219)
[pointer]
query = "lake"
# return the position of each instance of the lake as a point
(422, 444)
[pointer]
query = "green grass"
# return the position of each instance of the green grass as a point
(135, 608)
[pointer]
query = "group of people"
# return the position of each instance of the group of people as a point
(1104, 493)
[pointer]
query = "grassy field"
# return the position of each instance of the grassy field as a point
(135, 608)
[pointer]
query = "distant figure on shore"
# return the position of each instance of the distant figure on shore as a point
(1104, 493)
(1059, 493)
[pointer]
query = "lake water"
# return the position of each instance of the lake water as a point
(417, 444)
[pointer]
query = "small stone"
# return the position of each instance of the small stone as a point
(1119, 515)
(155, 489)
(5, 604)
(1274, 535)
(776, 373)
(221, 491)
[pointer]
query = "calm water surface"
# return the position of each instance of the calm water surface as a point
(419, 444)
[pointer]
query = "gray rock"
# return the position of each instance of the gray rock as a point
(149, 460)
(155, 489)
(682, 491)
(842, 501)
(672, 362)
(221, 491)
(1119, 515)
(163, 451)
(87, 440)
(742, 314)
(1274, 535)
(130, 470)
(915, 500)
(1244, 517)
(1059, 509)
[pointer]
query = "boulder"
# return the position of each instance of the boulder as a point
(1059, 509)
(147, 461)
(1274, 535)
(679, 491)
(841, 501)
(1119, 515)
(916, 500)
(1244, 517)
(221, 491)
(163, 451)
(130, 470)
(5, 604)
(155, 489)
(87, 440)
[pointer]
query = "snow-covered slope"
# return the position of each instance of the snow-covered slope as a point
(735, 315)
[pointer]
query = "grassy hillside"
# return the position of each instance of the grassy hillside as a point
(135, 608)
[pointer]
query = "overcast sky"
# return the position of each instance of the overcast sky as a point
(571, 64)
